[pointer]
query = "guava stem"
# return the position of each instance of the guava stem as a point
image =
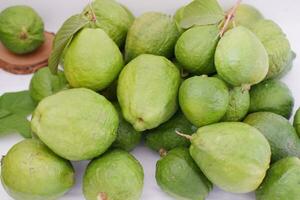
(102, 196)
(162, 152)
(93, 17)
(184, 135)
(246, 87)
(229, 17)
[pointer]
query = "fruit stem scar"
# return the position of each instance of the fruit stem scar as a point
(246, 87)
(229, 17)
(23, 34)
(184, 135)
(162, 152)
(102, 196)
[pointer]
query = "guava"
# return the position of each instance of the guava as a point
(178, 17)
(195, 49)
(92, 60)
(233, 155)
(276, 44)
(151, 33)
(178, 175)
(282, 181)
(272, 96)
(77, 124)
(127, 137)
(44, 83)
(116, 175)
(147, 91)
(281, 135)
(246, 15)
(112, 17)
(236, 61)
(164, 137)
(31, 171)
(203, 100)
(21, 29)
(297, 121)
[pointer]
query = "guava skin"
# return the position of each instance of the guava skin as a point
(77, 124)
(282, 181)
(44, 83)
(281, 135)
(178, 175)
(276, 44)
(203, 100)
(31, 171)
(164, 137)
(127, 137)
(151, 33)
(112, 17)
(116, 175)
(92, 60)
(272, 96)
(236, 61)
(21, 29)
(233, 155)
(297, 121)
(147, 91)
(177, 17)
(247, 15)
(195, 49)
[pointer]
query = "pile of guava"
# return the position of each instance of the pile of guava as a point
(203, 87)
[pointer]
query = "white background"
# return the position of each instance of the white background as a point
(54, 12)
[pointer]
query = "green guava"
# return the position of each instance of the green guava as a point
(77, 124)
(272, 96)
(116, 175)
(178, 175)
(44, 83)
(21, 29)
(203, 100)
(164, 137)
(31, 171)
(147, 91)
(246, 15)
(195, 49)
(233, 155)
(152, 33)
(236, 61)
(112, 17)
(178, 17)
(282, 181)
(92, 60)
(281, 135)
(297, 121)
(276, 44)
(127, 137)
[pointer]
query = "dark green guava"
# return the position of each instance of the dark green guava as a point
(21, 29)
(31, 171)
(116, 175)
(165, 137)
(272, 96)
(281, 135)
(178, 175)
(297, 121)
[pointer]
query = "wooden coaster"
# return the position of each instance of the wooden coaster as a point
(28, 63)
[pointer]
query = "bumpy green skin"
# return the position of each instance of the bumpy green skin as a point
(31, 171)
(112, 17)
(44, 83)
(178, 175)
(247, 15)
(297, 121)
(279, 132)
(272, 96)
(195, 49)
(239, 104)
(237, 62)
(282, 181)
(276, 44)
(203, 100)
(152, 33)
(21, 29)
(92, 60)
(127, 137)
(147, 91)
(77, 124)
(116, 175)
(165, 137)
(233, 155)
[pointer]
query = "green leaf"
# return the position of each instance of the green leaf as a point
(4, 113)
(201, 12)
(62, 38)
(15, 123)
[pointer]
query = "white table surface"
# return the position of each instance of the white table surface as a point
(54, 12)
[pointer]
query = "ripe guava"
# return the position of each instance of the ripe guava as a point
(246, 15)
